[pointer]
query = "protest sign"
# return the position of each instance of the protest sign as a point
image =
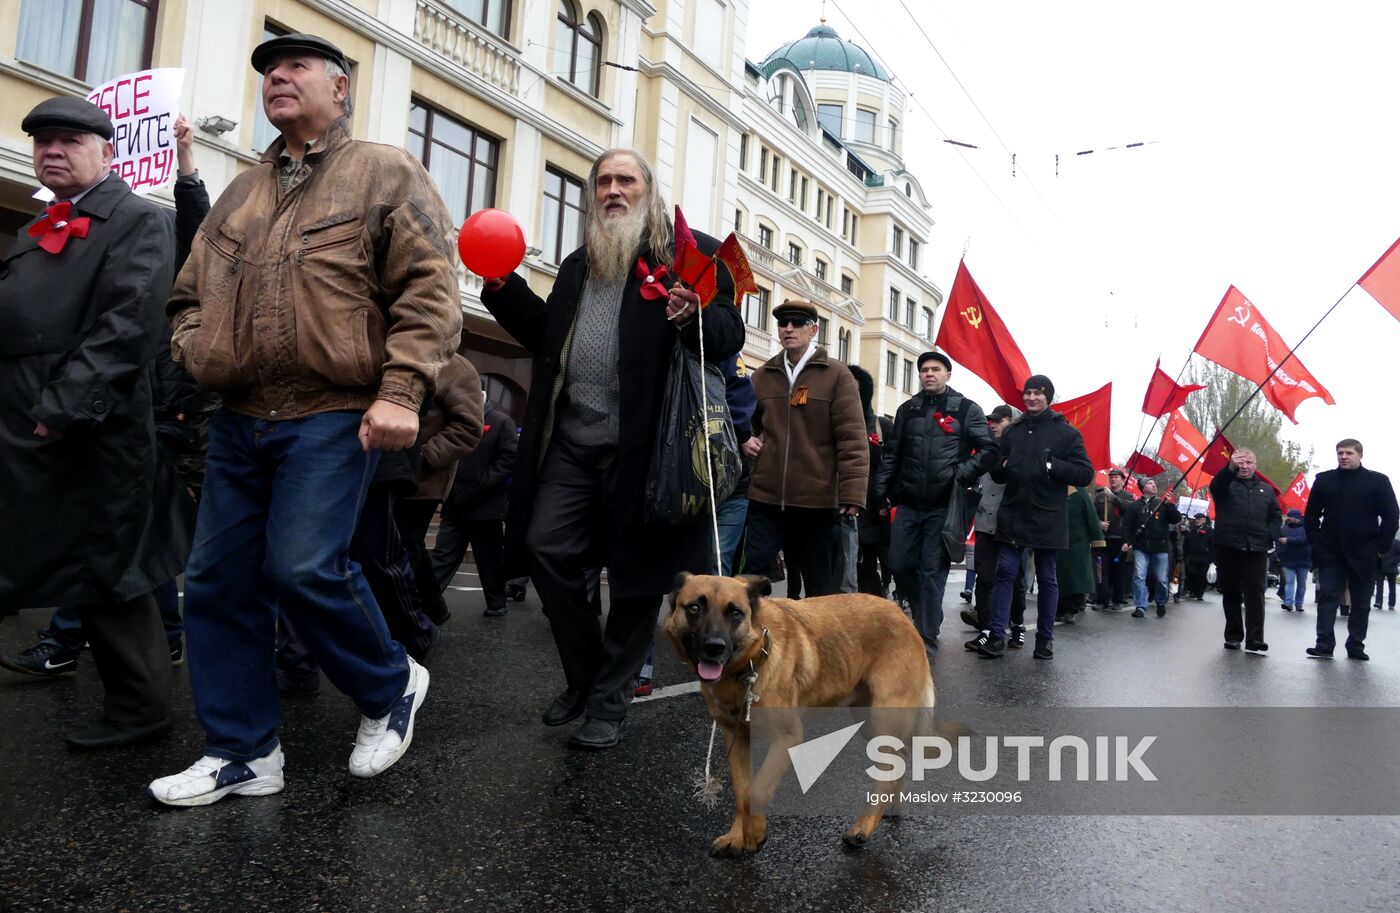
(143, 107)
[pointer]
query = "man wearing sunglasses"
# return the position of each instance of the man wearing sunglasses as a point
(812, 458)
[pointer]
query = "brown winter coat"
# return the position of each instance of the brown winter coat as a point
(815, 452)
(450, 428)
(337, 292)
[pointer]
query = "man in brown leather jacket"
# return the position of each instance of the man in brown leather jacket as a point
(320, 299)
(813, 457)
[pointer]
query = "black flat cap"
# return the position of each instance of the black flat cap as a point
(68, 113)
(297, 41)
(796, 309)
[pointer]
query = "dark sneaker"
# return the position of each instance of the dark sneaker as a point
(1017, 640)
(1232, 645)
(1042, 648)
(1297, 608)
(1139, 612)
(498, 611)
(1255, 646)
(967, 596)
(1357, 654)
(976, 644)
(1287, 607)
(596, 734)
(177, 653)
(969, 618)
(566, 707)
(1161, 610)
(45, 659)
(515, 592)
(1318, 653)
(643, 688)
(994, 648)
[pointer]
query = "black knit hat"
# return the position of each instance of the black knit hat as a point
(936, 356)
(1040, 382)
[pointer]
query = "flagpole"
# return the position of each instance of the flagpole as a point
(1257, 390)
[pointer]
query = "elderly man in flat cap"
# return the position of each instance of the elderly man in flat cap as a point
(93, 515)
(811, 453)
(320, 299)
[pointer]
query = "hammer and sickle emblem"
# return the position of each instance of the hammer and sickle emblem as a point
(973, 315)
(1242, 314)
(1298, 489)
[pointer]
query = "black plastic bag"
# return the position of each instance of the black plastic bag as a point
(678, 491)
(962, 512)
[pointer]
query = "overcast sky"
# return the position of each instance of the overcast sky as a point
(1274, 166)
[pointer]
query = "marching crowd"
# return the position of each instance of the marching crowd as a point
(264, 395)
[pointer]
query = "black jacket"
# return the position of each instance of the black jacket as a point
(646, 558)
(1033, 508)
(1247, 515)
(1116, 506)
(1148, 524)
(923, 462)
(96, 515)
(875, 526)
(479, 491)
(1199, 544)
(1351, 518)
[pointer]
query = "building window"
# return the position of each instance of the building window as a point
(461, 159)
(739, 221)
(928, 324)
(578, 48)
(855, 222)
(563, 215)
(913, 253)
(820, 267)
(894, 304)
(829, 201)
(792, 186)
(765, 236)
(762, 165)
(909, 309)
(843, 345)
(794, 254)
(756, 309)
(908, 376)
(898, 245)
(893, 128)
(90, 40)
(891, 365)
(829, 116)
(774, 177)
(823, 326)
(865, 126)
(743, 151)
(263, 132)
(802, 197)
(493, 14)
(848, 284)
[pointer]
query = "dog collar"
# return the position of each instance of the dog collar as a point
(751, 676)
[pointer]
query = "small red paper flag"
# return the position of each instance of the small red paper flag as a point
(731, 254)
(1382, 281)
(1164, 394)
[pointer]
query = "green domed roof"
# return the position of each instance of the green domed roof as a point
(823, 49)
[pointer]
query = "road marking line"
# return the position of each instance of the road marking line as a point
(466, 589)
(669, 691)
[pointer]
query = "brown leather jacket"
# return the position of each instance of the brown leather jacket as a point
(337, 292)
(450, 428)
(815, 450)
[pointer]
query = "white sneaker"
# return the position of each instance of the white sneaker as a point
(210, 779)
(381, 742)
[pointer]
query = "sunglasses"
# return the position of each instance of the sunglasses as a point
(795, 321)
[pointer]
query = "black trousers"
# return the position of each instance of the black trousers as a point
(379, 550)
(873, 570)
(414, 516)
(807, 537)
(600, 659)
(1334, 579)
(487, 540)
(1381, 580)
(132, 658)
(1196, 577)
(984, 562)
(1116, 583)
(1240, 577)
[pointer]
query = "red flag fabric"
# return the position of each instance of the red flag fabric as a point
(1090, 414)
(1218, 456)
(1181, 446)
(1143, 465)
(1382, 281)
(1101, 478)
(1297, 494)
(1164, 394)
(1239, 339)
(731, 254)
(1131, 486)
(973, 335)
(689, 265)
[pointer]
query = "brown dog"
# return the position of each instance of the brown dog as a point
(830, 651)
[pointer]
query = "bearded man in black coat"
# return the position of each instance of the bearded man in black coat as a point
(601, 353)
(94, 514)
(1351, 520)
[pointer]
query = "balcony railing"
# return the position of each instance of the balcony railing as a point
(467, 45)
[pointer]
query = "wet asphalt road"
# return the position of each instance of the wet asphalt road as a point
(490, 810)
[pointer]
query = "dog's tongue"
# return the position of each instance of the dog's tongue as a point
(709, 671)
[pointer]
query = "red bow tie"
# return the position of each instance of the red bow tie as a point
(653, 282)
(54, 229)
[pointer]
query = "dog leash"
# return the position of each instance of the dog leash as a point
(707, 789)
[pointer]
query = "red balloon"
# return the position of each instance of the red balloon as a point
(491, 243)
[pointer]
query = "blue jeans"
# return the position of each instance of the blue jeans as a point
(731, 513)
(66, 627)
(920, 564)
(1159, 571)
(1294, 591)
(970, 574)
(1047, 596)
(280, 502)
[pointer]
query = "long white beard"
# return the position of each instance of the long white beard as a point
(612, 244)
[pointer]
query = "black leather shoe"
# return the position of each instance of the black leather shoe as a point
(104, 733)
(566, 707)
(994, 648)
(969, 618)
(1255, 646)
(1357, 654)
(1232, 645)
(515, 592)
(596, 734)
(1318, 653)
(1042, 648)
(1161, 610)
(495, 612)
